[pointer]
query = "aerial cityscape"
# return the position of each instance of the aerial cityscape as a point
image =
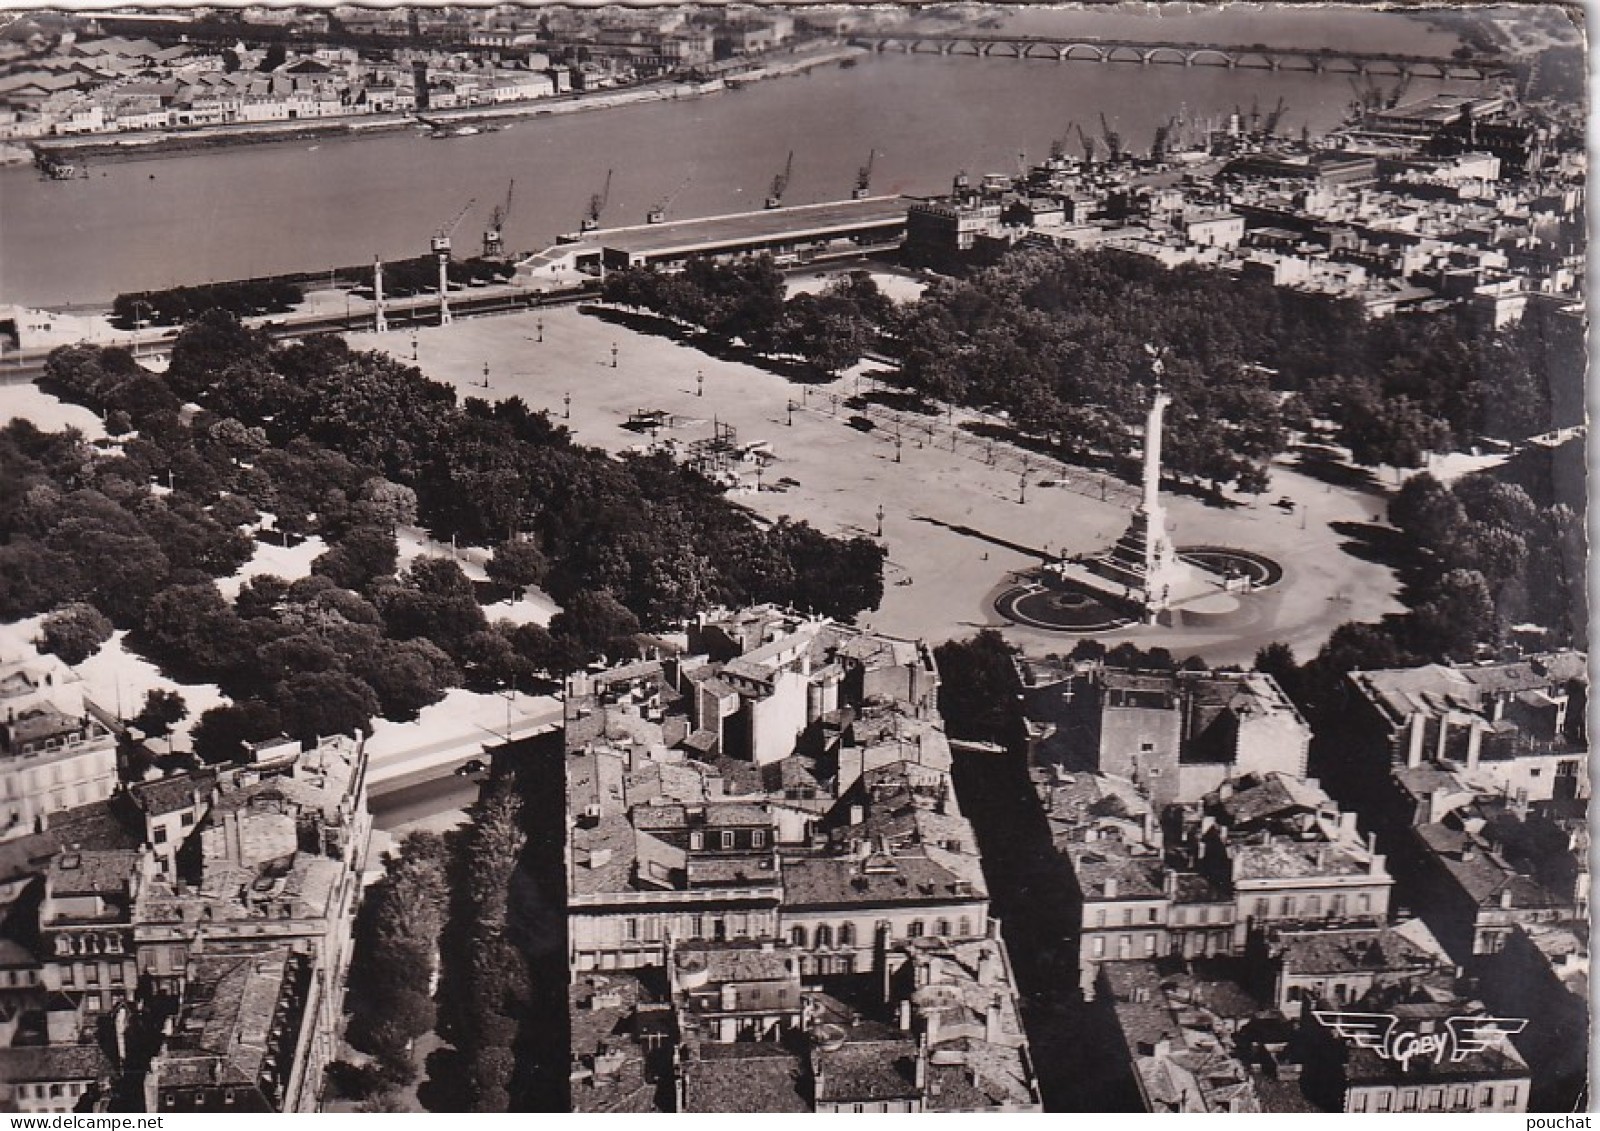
(955, 558)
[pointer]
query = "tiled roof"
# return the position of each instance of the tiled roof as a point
(1274, 794)
(170, 794)
(224, 1028)
(1342, 951)
(1481, 875)
(94, 872)
(755, 1078)
(53, 1063)
(733, 814)
(834, 881)
(740, 961)
(1136, 876)
(1280, 858)
(602, 856)
(866, 1071)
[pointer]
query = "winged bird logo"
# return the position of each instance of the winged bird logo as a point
(1367, 1030)
(1474, 1034)
(1381, 1032)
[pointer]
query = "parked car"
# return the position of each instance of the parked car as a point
(471, 766)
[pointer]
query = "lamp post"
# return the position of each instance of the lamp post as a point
(699, 382)
(540, 327)
(897, 447)
(566, 407)
(880, 520)
(1022, 488)
(413, 345)
(486, 375)
(613, 355)
(791, 407)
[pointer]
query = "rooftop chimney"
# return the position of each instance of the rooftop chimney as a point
(986, 961)
(991, 1022)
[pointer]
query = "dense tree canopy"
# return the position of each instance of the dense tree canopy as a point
(316, 440)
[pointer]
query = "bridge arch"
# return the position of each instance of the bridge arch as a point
(1255, 60)
(1210, 57)
(1086, 51)
(1123, 53)
(1166, 55)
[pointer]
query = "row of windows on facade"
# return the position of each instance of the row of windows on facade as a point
(758, 839)
(58, 1091)
(650, 931)
(169, 1097)
(1433, 1099)
(159, 836)
(71, 738)
(91, 974)
(1124, 946)
(89, 944)
(1287, 906)
(81, 795)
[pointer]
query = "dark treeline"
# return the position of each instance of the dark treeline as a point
(485, 991)
(317, 440)
(396, 959)
(1057, 339)
(177, 306)
(745, 300)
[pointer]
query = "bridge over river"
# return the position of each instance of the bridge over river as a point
(1318, 60)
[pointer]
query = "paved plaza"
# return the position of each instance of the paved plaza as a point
(957, 524)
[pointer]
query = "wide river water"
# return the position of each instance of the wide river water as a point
(279, 208)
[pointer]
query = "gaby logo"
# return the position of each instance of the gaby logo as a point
(1381, 1032)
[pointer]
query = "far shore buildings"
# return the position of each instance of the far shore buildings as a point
(767, 825)
(212, 911)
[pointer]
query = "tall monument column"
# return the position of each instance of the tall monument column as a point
(380, 318)
(1157, 547)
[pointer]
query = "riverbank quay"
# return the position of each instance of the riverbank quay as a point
(139, 144)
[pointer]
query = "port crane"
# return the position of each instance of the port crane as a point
(1269, 127)
(493, 239)
(597, 205)
(864, 178)
(1113, 139)
(1163, 139)
(1087, 142)
(658, 214)
(441, 248)
(780, 183)
(441, 238)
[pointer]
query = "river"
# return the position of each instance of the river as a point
(285, 207)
